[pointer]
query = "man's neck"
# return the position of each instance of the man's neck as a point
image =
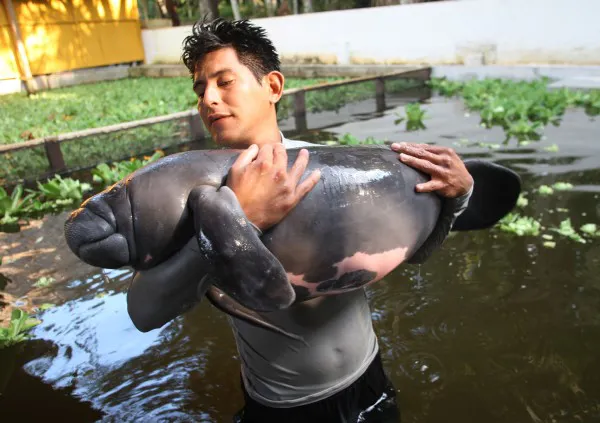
(271, 136)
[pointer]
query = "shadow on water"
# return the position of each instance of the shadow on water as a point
(493, 328)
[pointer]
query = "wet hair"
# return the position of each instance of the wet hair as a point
(253, 48)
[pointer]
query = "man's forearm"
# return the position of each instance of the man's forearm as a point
(158, 295)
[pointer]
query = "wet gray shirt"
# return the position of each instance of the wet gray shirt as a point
(340, 345)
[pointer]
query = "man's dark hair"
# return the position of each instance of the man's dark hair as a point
(253, 48)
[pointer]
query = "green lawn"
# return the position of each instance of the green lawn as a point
(95, 105)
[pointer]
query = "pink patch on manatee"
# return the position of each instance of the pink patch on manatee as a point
(381, 264)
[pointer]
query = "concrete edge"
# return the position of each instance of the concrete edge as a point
(69, 78)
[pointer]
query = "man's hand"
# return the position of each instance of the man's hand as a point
(449, 176)
(265, 189)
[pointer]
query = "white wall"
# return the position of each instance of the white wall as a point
(505, 32)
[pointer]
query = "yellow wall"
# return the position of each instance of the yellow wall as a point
(62, 35)
(8, 65)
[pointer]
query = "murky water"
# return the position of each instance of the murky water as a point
(493, 328)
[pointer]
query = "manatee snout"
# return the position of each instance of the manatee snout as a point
(92, 233)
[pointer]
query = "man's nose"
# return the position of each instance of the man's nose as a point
(211, 95)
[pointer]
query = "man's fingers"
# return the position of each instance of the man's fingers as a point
(420, 164)
(421, 151)
(308, 184)
(430, 186)
(299, 166)
(397, 146)
(438, 149)
(246, 157)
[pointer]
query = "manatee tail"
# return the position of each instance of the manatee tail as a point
(495, 194)
(98, 234)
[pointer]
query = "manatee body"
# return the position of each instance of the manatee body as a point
(361, 221)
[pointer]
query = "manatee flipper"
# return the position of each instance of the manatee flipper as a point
(496, 190)
(243, 267)
(229, 306)
(495, 194)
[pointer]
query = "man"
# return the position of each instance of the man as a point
(338, 376)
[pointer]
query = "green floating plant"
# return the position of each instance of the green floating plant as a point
(551, 148)
(545, 190)
(414, 117)
(519, 225)
(566, 229)
(562, 186)
(590, 229)
(349, 139)
(522, 201)
(557, 186)
(521, 108)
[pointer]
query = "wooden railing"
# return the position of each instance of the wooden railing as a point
(57, 163)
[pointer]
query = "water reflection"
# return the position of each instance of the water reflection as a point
(493, 328)
(102, 358)
(496, 329)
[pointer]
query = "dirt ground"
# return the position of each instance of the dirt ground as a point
(38, 250)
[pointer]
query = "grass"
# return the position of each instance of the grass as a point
(90, 106)
(106, 103)
(96, 105)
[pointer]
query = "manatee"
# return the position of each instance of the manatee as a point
(361, 221)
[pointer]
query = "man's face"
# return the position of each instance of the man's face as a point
(233, 105)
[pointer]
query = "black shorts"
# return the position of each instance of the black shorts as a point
(370, 399)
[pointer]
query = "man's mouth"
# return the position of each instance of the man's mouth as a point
(215, 117)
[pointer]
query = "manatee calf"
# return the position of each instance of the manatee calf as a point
(361, 221)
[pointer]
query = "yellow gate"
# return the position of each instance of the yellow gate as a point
(61, 35)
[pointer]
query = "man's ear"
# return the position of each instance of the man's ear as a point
(275, 82)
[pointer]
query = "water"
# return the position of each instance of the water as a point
(493, 328)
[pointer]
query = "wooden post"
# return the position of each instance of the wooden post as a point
(380, 94)
(54, 154)
(30, 84)
(300, 111)
(196, 127)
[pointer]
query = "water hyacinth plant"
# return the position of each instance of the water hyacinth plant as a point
(414, 117)
(521, 108)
